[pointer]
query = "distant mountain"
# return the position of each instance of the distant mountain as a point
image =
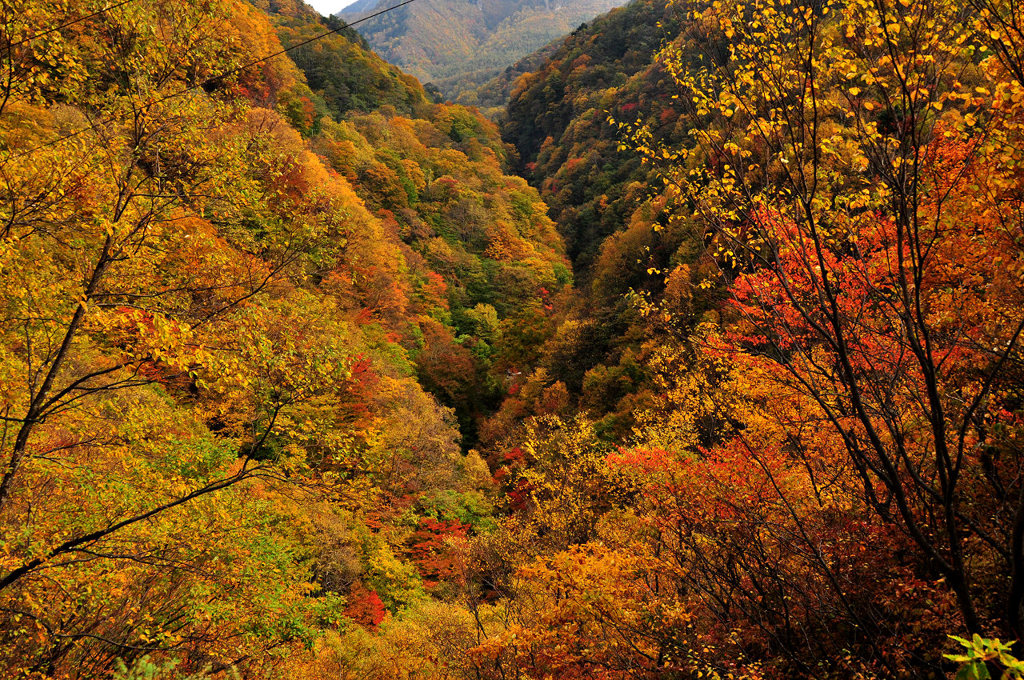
(361, 6)
(460, 44)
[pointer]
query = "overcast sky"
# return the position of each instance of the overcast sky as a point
(327, 7)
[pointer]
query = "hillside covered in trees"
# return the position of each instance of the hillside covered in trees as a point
(706, 363)
(456, 45)
(249, 329)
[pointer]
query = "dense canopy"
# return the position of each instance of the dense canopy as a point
(300, 379)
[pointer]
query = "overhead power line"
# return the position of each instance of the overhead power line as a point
(212, 80)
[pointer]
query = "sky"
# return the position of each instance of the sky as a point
(327, 7)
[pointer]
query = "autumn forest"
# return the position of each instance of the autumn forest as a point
(697, 351)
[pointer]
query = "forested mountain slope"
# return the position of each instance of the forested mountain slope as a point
(459, 44)
(340, 68)
(295, 380)
(557, 120)
(246, 327)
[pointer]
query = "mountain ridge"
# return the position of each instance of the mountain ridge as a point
(459, 44)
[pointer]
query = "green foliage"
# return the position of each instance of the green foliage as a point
(343, 74)
(980, 655)
(469, 507)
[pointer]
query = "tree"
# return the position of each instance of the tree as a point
(117, 283)
(858, 184)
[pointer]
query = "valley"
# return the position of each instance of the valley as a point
(687, 346)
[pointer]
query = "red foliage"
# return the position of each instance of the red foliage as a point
(645, 460)
(431, 550)
(357, 399)
(514, 455)
(573, 164)
(364, 316)
(365, 606)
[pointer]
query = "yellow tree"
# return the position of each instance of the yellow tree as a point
(141, 217)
